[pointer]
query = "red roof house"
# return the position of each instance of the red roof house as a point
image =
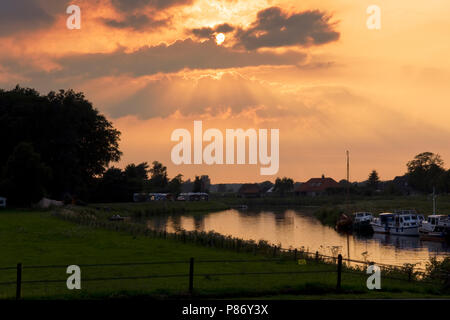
(317, 186)
(249, 190)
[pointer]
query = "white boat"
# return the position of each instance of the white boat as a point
(420, 219)
(361, 222)
(362, 217)
(403, 224)
(437, 227)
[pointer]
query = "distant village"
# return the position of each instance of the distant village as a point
(319, 186)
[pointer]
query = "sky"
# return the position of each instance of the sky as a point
(312, 69)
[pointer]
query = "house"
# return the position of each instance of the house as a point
(249, 190)
(317, 186)
(2, 202)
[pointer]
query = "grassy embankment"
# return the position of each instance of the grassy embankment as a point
(39, 238)
(148, 209)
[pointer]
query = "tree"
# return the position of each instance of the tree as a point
(71, 137)
(118, 185)
(373, 180)
(443, 184)
(112, 186)
(284, 185)
(197, 184)
(158, 180)
(25, 176)
(175, 184)
(135, 177)
(425, 170)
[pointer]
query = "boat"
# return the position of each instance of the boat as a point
(420, 219)
(435, 228)
(116, 217)
(361, 222)
(404, 224)
(344, 223)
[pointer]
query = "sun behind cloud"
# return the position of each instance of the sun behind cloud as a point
(220, 38)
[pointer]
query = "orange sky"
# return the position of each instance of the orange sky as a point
(309, 68)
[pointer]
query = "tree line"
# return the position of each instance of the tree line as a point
(59, 146)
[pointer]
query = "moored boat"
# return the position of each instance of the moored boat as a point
(405, 224)
(344, 223)
(361, 222)
(435, 228)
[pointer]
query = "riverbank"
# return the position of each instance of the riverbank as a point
(326, 208)
(40, 238)
(421, 203)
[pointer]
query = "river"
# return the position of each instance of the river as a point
(296, 229)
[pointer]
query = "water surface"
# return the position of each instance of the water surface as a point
(295, 229)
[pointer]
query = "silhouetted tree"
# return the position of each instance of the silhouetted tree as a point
(25, 176)
(373, 180)
(443, 183)
(425, 170)
(112, 187)
(284, 185)
(197, 184)
(175, 184)
(71, 137)
(158, 180)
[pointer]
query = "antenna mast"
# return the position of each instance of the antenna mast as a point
(348, 176)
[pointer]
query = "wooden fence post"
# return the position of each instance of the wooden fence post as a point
(191, 276)
(317, 256)
(19, 281)
(339, 272)
(295, 254)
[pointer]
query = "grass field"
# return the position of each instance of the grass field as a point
(37, 238)
(422, 203)
(146, 209)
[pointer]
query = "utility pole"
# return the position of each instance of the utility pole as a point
(347, 202)
(434, 200)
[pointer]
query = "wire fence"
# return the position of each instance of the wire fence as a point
(332, 265)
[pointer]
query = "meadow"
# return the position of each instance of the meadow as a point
(41, 238)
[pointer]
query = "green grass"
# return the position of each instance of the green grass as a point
(379, 203)
(38, 238)
(146, 209)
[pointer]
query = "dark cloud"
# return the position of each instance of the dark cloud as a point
(224, 28)
(275, 28)
(208, 33)
(137, 22)
(132, 5)
(169, 58)
(23, 15)
(203, 33)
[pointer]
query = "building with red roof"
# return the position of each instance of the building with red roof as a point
(317, 186)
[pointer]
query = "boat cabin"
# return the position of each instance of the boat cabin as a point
(362, 216)
(438, 219)
(386, 218)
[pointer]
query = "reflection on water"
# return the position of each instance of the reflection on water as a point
(292, 228)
